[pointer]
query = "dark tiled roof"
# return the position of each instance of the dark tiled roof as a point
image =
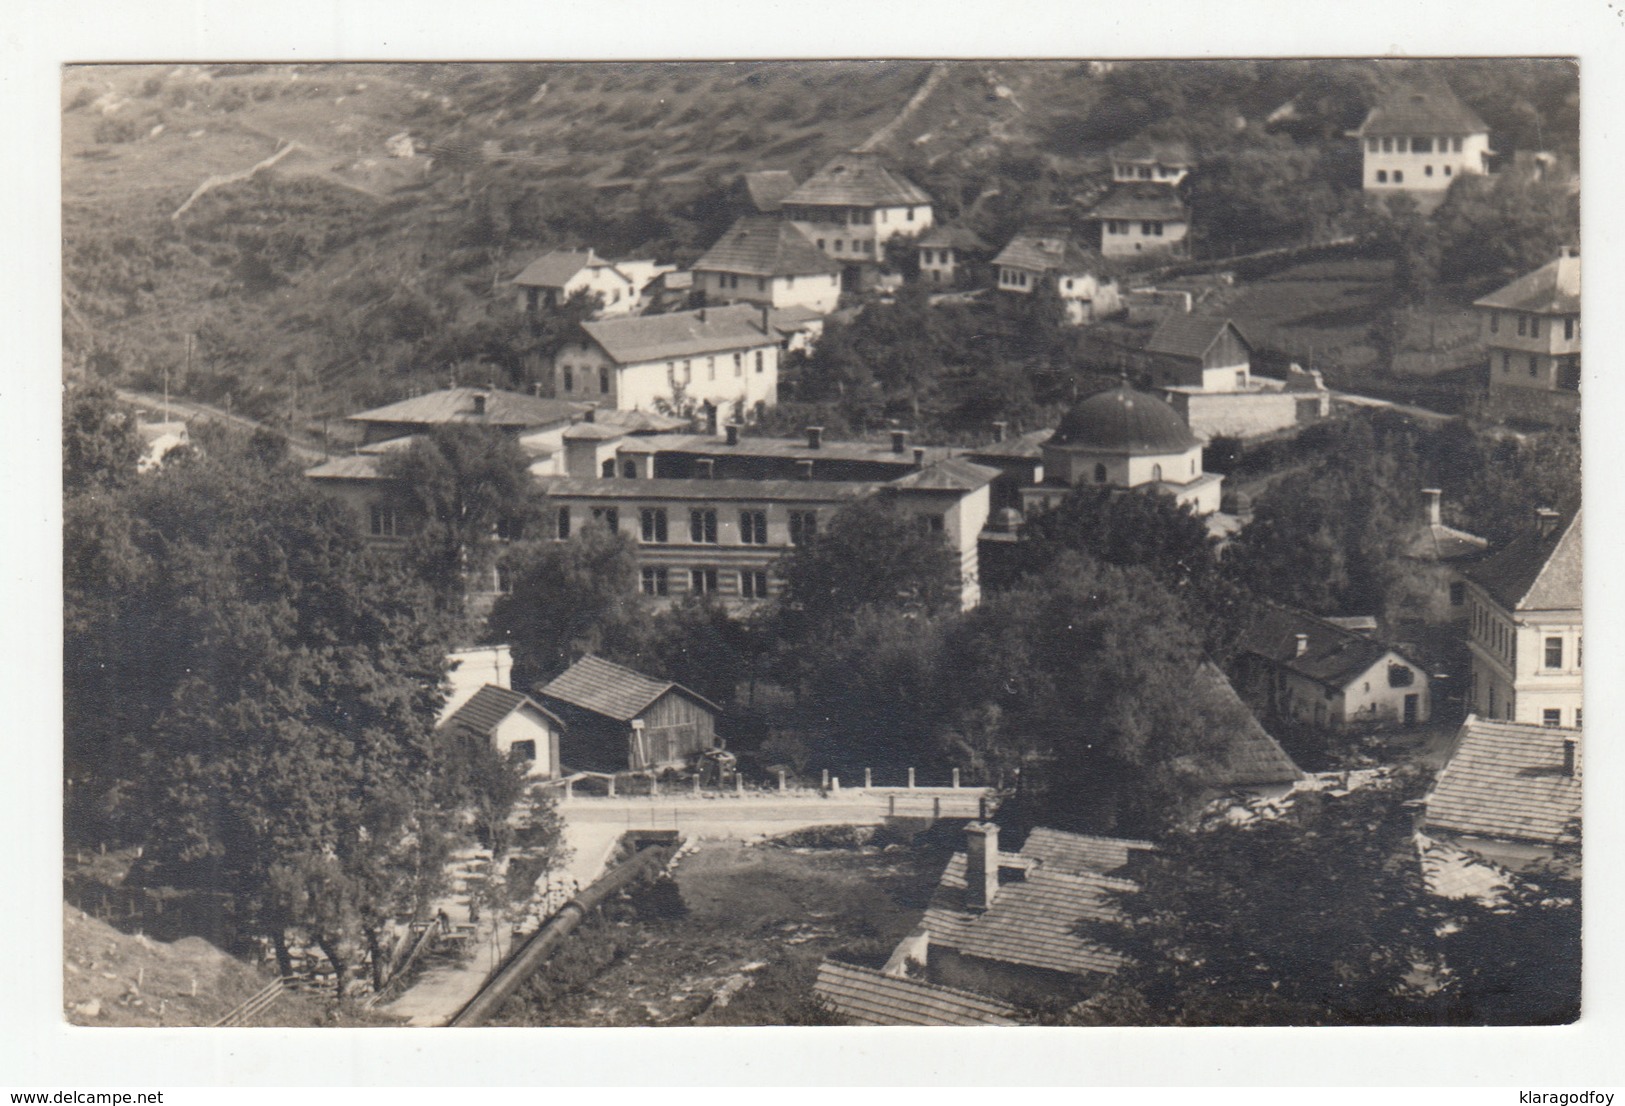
(1026, 447)
(1552, 289)
(1123, 420)
(596, 685)
(952, 474)
(1333, 656)
(750, 491)
(680, 334)
(456, 405)
(1438, 542)
(1506, 780)
(944, 236)
(1077, 853)
(1249, 757)
(1141, 200)
(703, 445)
(1422, 111)
(1535, 573)
(1162, 150)
(767, 188)
(858, 180)
(1045, 253)
(486, 709)
(640, 422)
(761, 245)
(1190, 335)
(868, 997)
(1032, 922)
(554, 269)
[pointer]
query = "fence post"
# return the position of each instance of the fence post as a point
(739, 784)
(891, 806)
(826, 779)
(936, 808)
(696, 784)
(911, 779)
(868, 778)
(611, 786)
(781, 780)
(956, 777)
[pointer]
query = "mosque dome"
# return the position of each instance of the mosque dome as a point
(1123, 420)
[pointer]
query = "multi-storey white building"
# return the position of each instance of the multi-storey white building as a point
(1419, 141)
(1526, 630)
(1142, 217)
(1532, 328)
(852, 207)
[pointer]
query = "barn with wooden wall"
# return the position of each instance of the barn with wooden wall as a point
(618, 720)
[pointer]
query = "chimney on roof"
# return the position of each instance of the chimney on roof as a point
(705, 468)
(479, 403)
(919, 455)
(899, 439)
(733, 433)
(806, 469)
(999, 429)
(1545, 521)
(536, 389)
(1571, 753)
(767, 315)
(702, 316)
(981, 865)
(591, 413)
(1302, 645)
(815, 437)
(711, 419)
(1432, 496)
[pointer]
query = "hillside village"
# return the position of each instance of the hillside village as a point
(1094, 540)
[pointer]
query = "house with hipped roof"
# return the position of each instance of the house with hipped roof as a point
(713, 359)
(1418, 141)
(1301, 668)
(852, 207)
(1509, 793)
(1142, 218)
(551, 279)
(946, 254)
(1034, 259)
(1526, 630)
(1532, 329)
(1163, 161)
(766, 260)
(513, 724)
(617, 720)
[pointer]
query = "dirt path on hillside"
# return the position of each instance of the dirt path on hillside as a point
(232, 178)
(889, 131)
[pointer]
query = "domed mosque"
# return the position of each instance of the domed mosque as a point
(1122, 438)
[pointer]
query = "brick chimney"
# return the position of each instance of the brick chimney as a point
(981, 865)
(1571, 756)
(1000, 427)
(899, 440)
(919, 456)
(1545, 520)
(733, 433)
(806, 469)
(705, 468)
(479, 403)
(1431, 497)
(815, 437)
(1302, 644)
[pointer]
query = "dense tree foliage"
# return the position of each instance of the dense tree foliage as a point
(100, 446)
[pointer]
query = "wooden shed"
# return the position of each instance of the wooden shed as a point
(617, 719)
(1206, 352)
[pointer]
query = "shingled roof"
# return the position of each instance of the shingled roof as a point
(555, 268)
(944, 236)
(1536, 572)
(1164, 151)
(1032, 922)
(1191, 336)
(680, 334)
(596, 685)
(858, 180)
(1422, 111)
(457, 405)
(952, 474)
(487, 708)
(1079, 853)
(867, 997)
(1141, 200)
(1552, 289)
(767, 188)
(1047, 253)
(761, 245)
(1332, 657)
(1249, 756)
(1507, 780)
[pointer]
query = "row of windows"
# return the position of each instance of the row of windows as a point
(586, 370)
(702, 581)
(1502, 639)
(1529, 325)
(936, 257)
(839, 245)
(711, 368)
(1149, 228)
(731, 280)
(1553, 716)
(1399, 174)
(857, 216)
(654, 528)
(1413, 145)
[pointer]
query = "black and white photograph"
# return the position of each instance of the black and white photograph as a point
(1087, 542)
